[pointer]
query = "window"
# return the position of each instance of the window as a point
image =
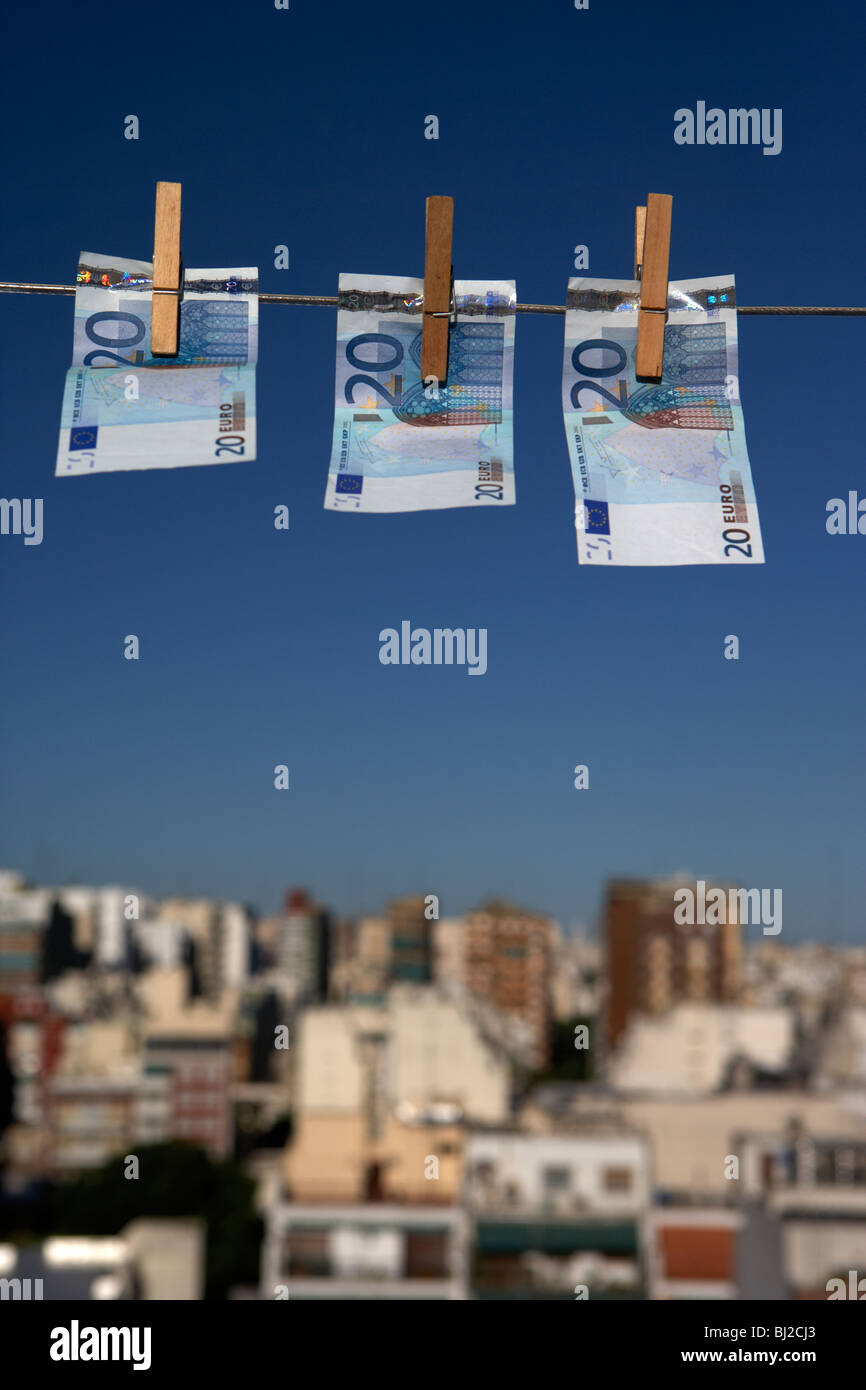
(556, 1179)
(617, 1179)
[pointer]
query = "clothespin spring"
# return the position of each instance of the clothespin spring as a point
(450, 314)
(162, 289)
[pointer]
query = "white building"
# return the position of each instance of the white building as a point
(375, 1251)
(234, 935)
(822, 1238)
(299, 947)
(330, 1070)
(843, 1056)
(162, 943)
(112, 926)
(21, 904)
(439, 1055)
(417, 1051)
(602, 1174)
(576, 977)
(692, 1138)
(692, 1049)
(152, 1258)
(448, 952)
(557, 1215)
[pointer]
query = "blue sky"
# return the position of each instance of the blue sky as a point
(306, 127)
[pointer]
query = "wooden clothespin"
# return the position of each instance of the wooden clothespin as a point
(166, 272)
(639, 234)
(652, 246)
(438, 288)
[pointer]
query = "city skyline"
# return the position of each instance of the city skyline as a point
(408, 1110)
(261, 647)
(573, 926)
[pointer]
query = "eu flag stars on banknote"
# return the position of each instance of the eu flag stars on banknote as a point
(123, 408)
(402, 444)
(661, 472)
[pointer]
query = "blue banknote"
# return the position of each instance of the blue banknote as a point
(123, 408)
(405, 444)
(661, 471)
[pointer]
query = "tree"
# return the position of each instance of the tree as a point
(176, 1180)
(190, 961)
(568, 1063)
(58, 946)
(268, 1016)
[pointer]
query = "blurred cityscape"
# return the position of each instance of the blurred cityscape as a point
(198, 1102)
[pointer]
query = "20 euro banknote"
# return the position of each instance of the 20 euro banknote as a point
(123, 408)
(661, 472)
(402, 444)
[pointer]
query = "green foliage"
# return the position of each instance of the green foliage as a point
(176, 1180)
(567, 1063)
(59, 953)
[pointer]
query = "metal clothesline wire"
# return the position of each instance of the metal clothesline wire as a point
(332, 301)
